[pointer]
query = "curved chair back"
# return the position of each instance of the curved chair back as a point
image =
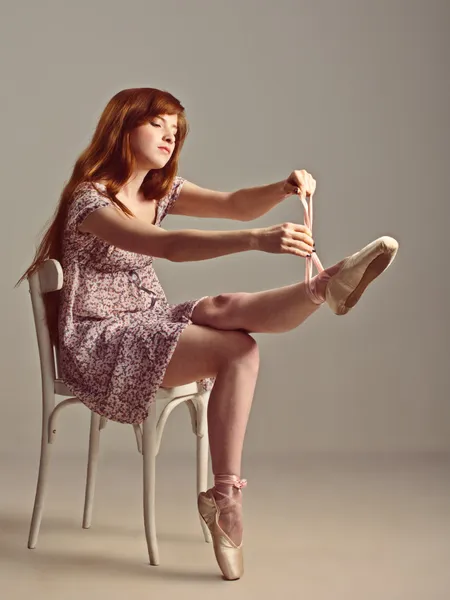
(48, 278)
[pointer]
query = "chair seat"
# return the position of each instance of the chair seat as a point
(163, 393)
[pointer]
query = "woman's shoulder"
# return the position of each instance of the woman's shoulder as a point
(89, 186)
(86, 197)
(89, 192)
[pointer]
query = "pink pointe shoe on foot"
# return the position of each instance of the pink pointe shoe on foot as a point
(346, 281)
(229, 555)
(348, 285)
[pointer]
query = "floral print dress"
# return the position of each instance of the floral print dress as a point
(117, 331)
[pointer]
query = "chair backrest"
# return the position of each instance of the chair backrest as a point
(47, 278)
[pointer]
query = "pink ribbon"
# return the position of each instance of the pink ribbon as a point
(234, 481)
(308, 221)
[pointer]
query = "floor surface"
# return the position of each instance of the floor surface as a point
(316, 528)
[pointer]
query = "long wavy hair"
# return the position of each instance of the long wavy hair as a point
(109, 158)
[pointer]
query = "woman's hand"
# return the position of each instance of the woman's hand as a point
(301, 183)
(288, 238)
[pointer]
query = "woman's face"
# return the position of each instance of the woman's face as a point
(149, 140)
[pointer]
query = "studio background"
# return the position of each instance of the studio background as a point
(357, 93)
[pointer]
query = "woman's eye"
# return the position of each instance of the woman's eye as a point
(156, 124)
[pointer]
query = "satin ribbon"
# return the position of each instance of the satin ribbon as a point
(313, 259)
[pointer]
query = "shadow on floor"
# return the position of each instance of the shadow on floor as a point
(13, 549)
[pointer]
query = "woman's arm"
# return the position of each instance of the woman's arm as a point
(184, 245)
(251, 203)
(243, 205)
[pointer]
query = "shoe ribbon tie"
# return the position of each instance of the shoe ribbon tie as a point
(313, 259)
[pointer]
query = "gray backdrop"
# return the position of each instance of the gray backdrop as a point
(356, 92)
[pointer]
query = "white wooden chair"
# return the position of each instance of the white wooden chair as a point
(48, 278)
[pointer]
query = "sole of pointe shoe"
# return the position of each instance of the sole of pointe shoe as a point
(229, 557)
(348, 285)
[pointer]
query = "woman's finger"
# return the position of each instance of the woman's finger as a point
(296, 247)
(305, 239)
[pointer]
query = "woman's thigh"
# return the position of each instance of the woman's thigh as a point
(201, 351)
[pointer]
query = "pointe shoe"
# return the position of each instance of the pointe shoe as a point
(347, 286)
(229, 556)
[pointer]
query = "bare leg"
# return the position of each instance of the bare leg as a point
(283, 309)
(232, 396)
(233, 358)
(272, 311)
(229, 409)
(228, 412)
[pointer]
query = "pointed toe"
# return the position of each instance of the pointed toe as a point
(346, 287)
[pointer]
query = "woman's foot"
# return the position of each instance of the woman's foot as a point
(343, 284)
(221, 509)
(317, 287)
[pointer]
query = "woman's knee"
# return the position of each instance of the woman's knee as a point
(239, 344)
(225, 300)
(203, 351)
(243, 348)
(218, 311)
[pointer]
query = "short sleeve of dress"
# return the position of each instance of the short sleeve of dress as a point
(87, 198)
(172, 196)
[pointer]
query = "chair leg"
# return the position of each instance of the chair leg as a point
(202, 477)
(149, 465)
(41, 488)
(94, 444)
(202, 460)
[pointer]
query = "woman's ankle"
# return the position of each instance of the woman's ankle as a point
(228, 485)
(318, 284)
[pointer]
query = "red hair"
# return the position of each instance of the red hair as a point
(108, 158)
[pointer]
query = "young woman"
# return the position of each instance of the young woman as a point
(120, 340)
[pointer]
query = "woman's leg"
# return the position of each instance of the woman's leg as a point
(271, 311)
(283, 309)
(233, 358)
